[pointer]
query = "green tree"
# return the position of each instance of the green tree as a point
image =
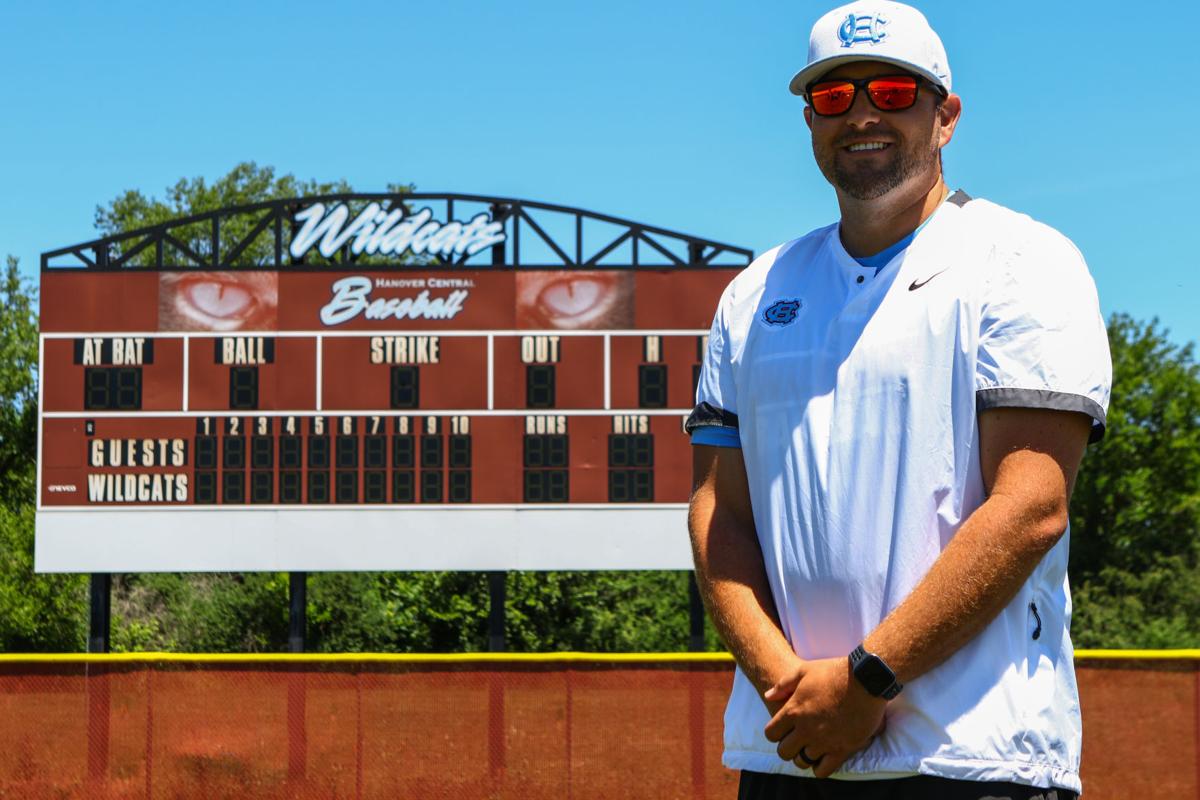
(1135, 512)
(639, 611)
(1153, 608)
(201, 612)
(1137, 497)
(408, 612)
(37, 612)
(18, 388)
(546, 611)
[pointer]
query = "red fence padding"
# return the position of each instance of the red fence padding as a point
(526, 730)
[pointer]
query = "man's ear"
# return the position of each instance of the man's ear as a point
(949, 111)
(808, 117)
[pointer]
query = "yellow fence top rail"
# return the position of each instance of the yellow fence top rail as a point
(1137, 655)
(410, 658)
(486, 658)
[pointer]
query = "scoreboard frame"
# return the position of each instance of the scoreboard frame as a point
(134, 517)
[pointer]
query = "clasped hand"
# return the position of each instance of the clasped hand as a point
(825, 713)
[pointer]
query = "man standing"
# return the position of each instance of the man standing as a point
(889, 420)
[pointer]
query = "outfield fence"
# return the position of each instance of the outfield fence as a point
(559, 725)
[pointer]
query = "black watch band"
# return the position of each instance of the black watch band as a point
(874, 675)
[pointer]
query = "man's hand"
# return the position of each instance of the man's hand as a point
(826, 713)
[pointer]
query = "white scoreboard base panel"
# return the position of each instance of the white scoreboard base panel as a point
(363, 539)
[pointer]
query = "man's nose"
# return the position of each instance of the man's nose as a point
(862, 111)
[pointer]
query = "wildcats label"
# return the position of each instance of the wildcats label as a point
(168, 488)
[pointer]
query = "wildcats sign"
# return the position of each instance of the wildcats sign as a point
(376, 231)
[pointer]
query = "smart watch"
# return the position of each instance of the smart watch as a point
(874, 675)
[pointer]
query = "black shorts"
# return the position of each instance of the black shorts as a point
(760, 786)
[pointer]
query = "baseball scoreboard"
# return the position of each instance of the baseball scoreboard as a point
(373, 382)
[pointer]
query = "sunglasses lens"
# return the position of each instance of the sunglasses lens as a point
(893, 94)
(831, 97)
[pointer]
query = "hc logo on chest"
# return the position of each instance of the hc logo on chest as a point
(781, 312)
(858, 28)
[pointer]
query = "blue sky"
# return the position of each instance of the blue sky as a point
(671, 113)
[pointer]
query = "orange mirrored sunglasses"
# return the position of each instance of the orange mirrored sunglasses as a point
(887, 93)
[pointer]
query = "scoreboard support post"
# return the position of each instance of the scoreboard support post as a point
(497, 597)
(297, 702)
(98, 690)
(100, 624)
(297, 611)
(696, 615)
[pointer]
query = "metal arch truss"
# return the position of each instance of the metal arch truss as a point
(536, 236)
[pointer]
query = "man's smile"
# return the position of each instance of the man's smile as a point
(860, 147)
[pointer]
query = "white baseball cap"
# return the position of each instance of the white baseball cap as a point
(874, 30)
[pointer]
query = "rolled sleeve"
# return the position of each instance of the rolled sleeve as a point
(1042, 339)
(714, 420)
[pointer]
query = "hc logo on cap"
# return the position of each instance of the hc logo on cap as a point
(862, 28)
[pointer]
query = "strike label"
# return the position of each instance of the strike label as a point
(405, 349)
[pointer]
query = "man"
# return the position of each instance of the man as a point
(889, 421)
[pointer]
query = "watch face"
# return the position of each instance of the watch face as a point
(874, 674)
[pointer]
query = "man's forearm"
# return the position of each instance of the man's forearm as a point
(733, 583)
(975, 577)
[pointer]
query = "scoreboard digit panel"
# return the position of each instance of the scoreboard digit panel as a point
(404, 372)
(251, 373)
(112, 373)
(343, 410)
(653, 371)
(540, 371)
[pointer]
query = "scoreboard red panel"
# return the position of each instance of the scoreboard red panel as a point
(325, 299)
(678, 298)
(413, 388)
(81, 301)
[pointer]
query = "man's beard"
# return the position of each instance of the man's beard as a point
(865, 181)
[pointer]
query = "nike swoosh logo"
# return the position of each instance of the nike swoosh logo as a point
(918, 284)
